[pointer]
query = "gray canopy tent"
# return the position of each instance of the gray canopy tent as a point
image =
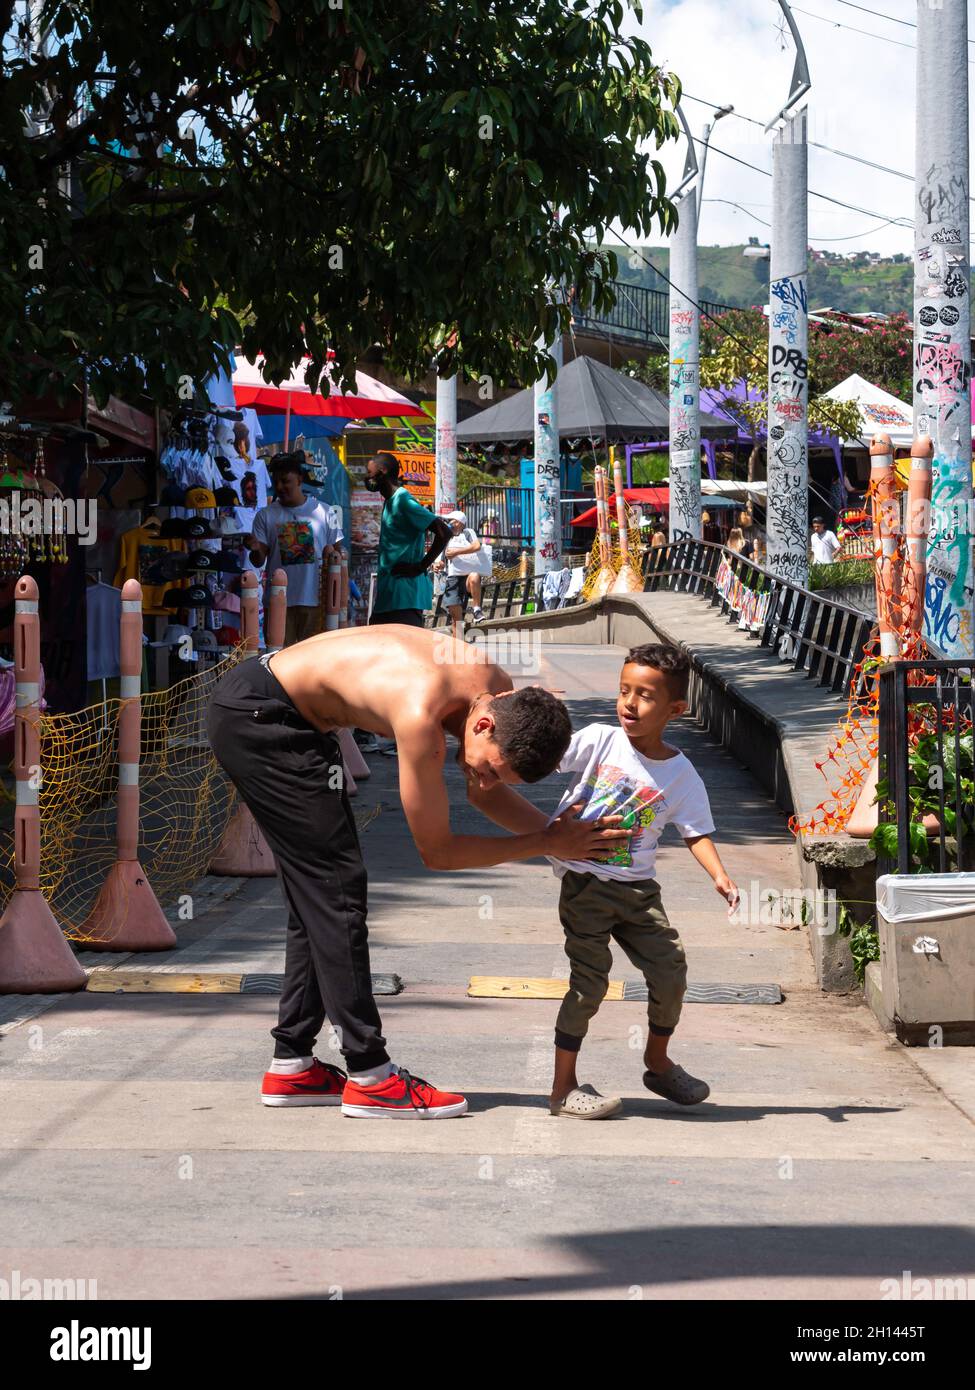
(594, 401)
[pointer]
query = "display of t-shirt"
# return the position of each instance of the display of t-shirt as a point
(649, 793)
(402, 532)
(296, 538)
(141, 558)
(103, 616)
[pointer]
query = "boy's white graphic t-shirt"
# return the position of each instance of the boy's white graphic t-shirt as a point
(613, 779)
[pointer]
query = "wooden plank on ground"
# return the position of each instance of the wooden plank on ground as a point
(157, 982)
(515, 987)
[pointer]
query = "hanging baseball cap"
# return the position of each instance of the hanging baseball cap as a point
(174, 528)
(171, 495)
(204, 640)
(216, 561)
(199, 499)
(194, 596)
(197, 528)
(174, 634)
(226, 497)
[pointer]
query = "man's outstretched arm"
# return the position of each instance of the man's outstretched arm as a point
(424, 797)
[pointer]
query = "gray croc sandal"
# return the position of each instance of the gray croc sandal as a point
(585, 1103)
(677, 1085)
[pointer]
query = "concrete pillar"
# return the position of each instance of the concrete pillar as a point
(942, 343)
(548, 477)
(685, 416)
(788, 389)
(446, 445)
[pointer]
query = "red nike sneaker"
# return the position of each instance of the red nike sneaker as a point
(400, 1097)
(321, 1084)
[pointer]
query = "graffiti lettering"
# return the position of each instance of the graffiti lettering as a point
(947, 236)
(791, 359)
(956, 284)
(791, 290)
(943, 194)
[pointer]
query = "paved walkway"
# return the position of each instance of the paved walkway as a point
(134, 1150)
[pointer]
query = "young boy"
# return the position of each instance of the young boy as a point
(630, 772)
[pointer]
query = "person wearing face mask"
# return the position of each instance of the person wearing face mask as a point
(404, 590)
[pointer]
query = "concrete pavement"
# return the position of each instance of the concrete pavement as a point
(134, 1151)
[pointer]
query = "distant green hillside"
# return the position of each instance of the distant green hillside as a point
(725, 276)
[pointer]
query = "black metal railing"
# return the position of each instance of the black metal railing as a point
(640, 312)
(500, 598)
(814, 634)
(926, 791)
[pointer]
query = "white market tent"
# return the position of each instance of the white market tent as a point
(880, 413)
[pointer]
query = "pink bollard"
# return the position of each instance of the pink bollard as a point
(35, 958)
(918, 523)
(627, 581)
(344, 594)
(333, 595)
(277, 611)
(243, 852)
(249, 613)
(126, 915)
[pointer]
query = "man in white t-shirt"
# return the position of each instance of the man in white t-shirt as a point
(461, 558)
(825, 546)
(299, 535)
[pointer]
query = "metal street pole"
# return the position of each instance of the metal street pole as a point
(787, 447)
(548, 477)
(942, 341)
(685, 385)
(445, 464)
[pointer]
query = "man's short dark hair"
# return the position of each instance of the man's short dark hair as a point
(661, 656)
(819, 521)
(288, 463)
(532, 728)
(389, 463)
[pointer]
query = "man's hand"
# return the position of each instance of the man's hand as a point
(729, 891)
(571, 838)
(408, 569)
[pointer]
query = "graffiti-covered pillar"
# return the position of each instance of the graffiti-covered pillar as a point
(942, 343)
(788, 388)
(548, 529)
(446, 445)
(685, 415)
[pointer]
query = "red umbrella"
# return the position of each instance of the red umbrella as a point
(370, 401)
(649, 496)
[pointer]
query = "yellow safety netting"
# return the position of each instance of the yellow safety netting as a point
(185, 799)
(634, 545)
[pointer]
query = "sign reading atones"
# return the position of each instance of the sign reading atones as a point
(417, 474)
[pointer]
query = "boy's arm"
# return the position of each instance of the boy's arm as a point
(703, 849)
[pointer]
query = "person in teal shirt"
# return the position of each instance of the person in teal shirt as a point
(404, 589)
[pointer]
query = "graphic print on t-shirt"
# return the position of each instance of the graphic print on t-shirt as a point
(611, 791)
(296, 543)
(152, 573)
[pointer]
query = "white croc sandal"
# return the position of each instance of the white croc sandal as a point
(585, 1103)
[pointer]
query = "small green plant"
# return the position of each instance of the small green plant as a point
(864, 941)
(845, 574)
(932, 780)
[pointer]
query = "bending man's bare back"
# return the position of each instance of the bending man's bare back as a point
(271, 726)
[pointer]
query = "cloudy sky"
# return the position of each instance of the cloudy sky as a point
(861, 101)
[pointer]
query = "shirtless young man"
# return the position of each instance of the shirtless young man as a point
(270, 726)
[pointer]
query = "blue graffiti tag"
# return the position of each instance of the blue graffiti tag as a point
(941, 619)
(790, 290)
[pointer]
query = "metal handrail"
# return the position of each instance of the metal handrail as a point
(817, 635)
